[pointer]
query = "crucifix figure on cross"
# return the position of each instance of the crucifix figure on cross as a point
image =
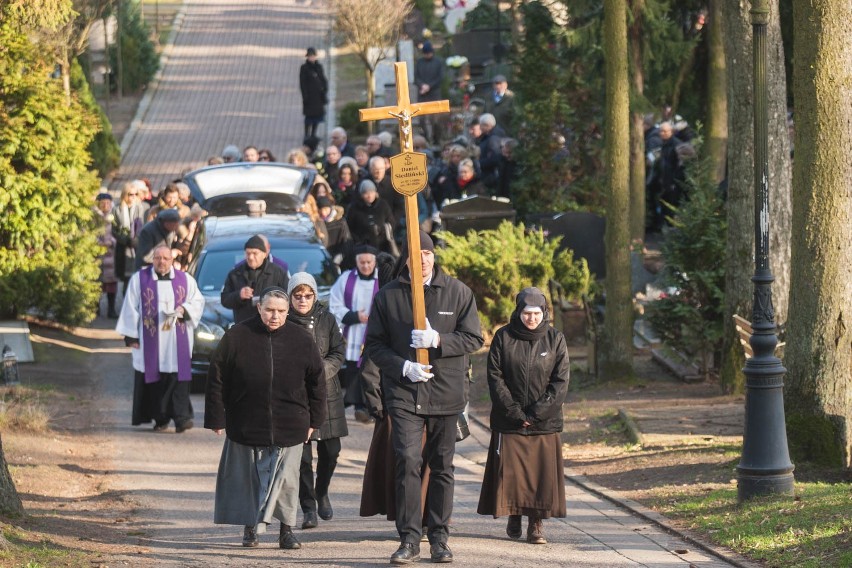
(409, 176)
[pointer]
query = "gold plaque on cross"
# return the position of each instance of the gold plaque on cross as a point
(408, 172)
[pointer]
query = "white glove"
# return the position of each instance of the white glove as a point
(416, 373)
(425, 338)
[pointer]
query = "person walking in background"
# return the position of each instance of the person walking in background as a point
(266, 391)
(128, 220)
(245, 281)
(350, 301)
(528, 372)
(500, 103)
(160, 231)
(428, 76)
(419, 397)
(314, 87)
(109, 281)
(162, 306)
(308, 313)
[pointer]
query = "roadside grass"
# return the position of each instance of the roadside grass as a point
(26, 550)
(811, 530)
(21, 409)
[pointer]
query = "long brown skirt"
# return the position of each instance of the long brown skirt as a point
(378, 493)
(524, 475)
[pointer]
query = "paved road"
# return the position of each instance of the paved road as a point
(231, 78)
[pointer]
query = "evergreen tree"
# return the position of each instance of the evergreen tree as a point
(48, 248)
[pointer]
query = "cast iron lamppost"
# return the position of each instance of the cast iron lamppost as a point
(765, 466)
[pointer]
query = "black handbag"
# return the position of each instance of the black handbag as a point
(462, 428)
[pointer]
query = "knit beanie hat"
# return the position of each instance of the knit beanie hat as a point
(301, 278)
(366, 185)
(255, 243)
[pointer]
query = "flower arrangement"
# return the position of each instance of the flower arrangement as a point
(456, 61)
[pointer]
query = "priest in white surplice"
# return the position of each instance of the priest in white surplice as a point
(162, 307)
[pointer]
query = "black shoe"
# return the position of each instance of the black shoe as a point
(250, 537)
(310, 521)
(184, 426)
(160, 426)
(324, 508)
(112, 314)
(407, 553)
(361, 415)
(286, 538)
(513, 527)
(440, 552)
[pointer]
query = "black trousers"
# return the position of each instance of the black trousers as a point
(327, 454)
(407, 437)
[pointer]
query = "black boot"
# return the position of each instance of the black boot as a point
(250, 536)
(286, 538)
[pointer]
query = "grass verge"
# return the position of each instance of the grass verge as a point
(813, 529)
(22, 549)
(21, 409)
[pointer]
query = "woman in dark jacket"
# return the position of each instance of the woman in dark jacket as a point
(528, 381)
(266, 392)
(307, 313)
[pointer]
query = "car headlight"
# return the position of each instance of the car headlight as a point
(209, 331)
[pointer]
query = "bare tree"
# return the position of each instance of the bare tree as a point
(368, 24)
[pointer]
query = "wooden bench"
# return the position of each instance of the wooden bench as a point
(744, 332)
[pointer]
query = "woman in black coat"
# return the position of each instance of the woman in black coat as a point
(528, 380)
(307, 313)
(314, 89)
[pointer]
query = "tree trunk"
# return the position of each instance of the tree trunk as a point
(617, 347)
(739, 258)
(371, 96)
(819, 342)
(10, 502)
(637, 131)
(717, 98)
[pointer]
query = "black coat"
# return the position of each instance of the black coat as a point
(528, 380)
(270, 275)
(151, 235)
(367, 223)
(314, 89)
(323, 327)
(451, 310)
(265, 388)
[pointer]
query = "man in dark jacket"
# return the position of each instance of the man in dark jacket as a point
(160, 231)
(314, 92)
(266, 391)
(424, 396)
(428, 76)
(246, 279)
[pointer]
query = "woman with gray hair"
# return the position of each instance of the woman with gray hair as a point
(266, 392)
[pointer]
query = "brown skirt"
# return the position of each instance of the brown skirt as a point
(524, 475)
(378, 493)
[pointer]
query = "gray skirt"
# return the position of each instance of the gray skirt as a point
(257, 484)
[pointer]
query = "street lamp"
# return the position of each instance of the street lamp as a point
(765, 466)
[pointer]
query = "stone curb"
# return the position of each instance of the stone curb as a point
(651, 516)
(151, 90)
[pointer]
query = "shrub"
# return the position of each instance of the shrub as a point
(48, 241)
(498, 263)
(691, 318)
(138, 54)
(350, 122)
(103, 148)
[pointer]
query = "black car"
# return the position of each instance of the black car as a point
(237, 210)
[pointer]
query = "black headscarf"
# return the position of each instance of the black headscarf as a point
(528, 297)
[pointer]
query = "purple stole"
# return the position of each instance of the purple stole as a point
(348, 291)
(151, 325)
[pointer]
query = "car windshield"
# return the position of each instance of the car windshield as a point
(214, 266)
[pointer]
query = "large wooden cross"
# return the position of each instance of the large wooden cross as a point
(409, 176)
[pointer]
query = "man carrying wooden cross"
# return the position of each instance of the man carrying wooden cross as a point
(419, 396)
(422, 316)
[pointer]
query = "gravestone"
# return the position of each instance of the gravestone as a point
(16, 334)
(476, 213)
(582, 232)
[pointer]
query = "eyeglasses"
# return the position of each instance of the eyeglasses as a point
(133, 194)
(303, 297)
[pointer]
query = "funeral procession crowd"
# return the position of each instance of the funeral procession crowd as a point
(282, 376)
